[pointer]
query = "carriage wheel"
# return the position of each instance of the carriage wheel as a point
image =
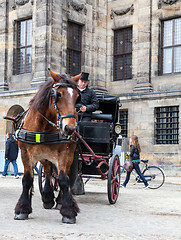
(41, 179)
(113, 179)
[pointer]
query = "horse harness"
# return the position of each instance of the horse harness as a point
(46, 137)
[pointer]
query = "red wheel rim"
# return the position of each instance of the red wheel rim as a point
(115, 179)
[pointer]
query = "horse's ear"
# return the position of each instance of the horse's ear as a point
(77, 77)
(55, 76)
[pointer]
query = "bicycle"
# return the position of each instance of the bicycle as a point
(154, 175)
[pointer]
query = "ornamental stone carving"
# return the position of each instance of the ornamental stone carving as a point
(170, 2)
(122, 11)
(77, 6)
(21, 3)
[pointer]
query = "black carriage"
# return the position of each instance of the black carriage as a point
(99, 146)
(98, 149)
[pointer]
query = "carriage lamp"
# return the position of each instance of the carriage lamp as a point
(117, 128)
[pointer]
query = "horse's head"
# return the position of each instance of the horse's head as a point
(65, 94)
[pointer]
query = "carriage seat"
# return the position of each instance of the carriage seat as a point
(104, 117)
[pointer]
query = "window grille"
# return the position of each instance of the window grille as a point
(124, 122)
(74, 48)
(24, 47)
(123, 54)
(171, 46)
(167, 125)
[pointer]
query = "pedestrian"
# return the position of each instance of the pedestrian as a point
(135, 157)
(11, 154)
(36, 169)
(88, 102)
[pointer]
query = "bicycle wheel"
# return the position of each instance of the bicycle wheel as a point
(154, 176)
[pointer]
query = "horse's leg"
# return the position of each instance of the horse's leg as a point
(59, 201)
(69, 207)
(48, 194)
(23, 207)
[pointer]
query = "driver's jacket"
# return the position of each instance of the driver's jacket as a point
(88, 99)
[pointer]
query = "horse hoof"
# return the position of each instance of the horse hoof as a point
(69, 220)
(58, 206)
(21, 216)
(48, 205)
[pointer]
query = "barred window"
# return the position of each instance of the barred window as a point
(124, 122)
(122, 54)
(171, 46)
(167, 125)
(74, 48)
(24, 47)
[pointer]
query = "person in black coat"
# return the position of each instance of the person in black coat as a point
(88, 102)
(11, 154)
(135, 157)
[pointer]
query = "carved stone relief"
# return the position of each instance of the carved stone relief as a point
(77, 6)
(122, 11)
(169, 2)
(21, 3)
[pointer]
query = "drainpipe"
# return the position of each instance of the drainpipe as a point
(150, 38)
(106, 47)
(46, 41)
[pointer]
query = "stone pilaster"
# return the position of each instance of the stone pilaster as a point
(41, 38)
(143, 47)
(3, 44)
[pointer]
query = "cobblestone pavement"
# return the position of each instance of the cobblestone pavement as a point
(138, 214)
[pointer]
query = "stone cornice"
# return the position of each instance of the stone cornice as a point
(172, 94)
(122, 11)
(77, 6)
(18, 93)
(169, 2)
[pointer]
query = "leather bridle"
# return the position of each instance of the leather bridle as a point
(54, 94)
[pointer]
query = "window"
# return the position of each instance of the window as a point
(122, 54)
(171, 46)
(124, 122)
(167, 125)
(74, 48)
(24, 47)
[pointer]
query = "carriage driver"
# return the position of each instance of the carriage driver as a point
(88, 102)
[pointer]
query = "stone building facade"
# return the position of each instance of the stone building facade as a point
(141, 38)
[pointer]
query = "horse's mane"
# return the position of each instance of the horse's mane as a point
(41, 99)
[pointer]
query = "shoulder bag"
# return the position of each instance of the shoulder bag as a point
(128, 165)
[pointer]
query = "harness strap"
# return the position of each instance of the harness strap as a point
(68, 116)
(42, 137)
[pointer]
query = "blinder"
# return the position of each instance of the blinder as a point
(55, 94)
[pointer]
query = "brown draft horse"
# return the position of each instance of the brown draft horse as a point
(54, 101)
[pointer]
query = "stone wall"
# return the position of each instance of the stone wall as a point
(99, 18)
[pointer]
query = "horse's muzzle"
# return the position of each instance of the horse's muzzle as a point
(69, 130)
